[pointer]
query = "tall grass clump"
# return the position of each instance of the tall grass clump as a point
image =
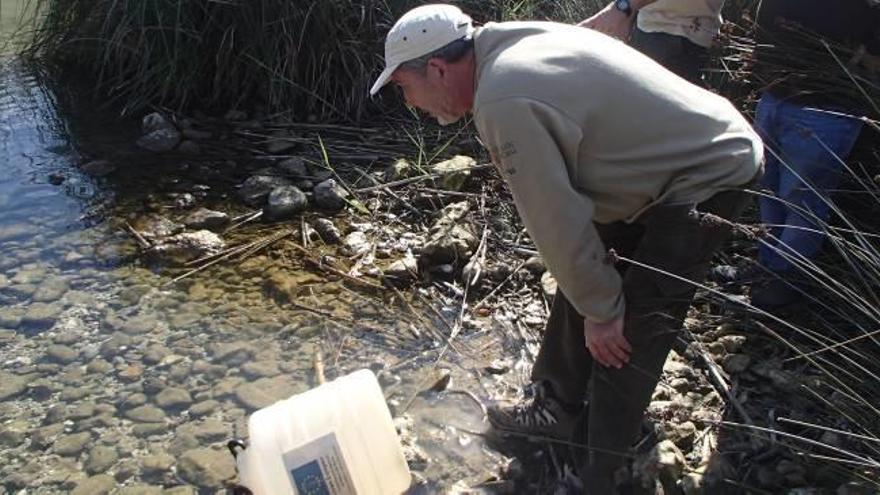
(309, 57)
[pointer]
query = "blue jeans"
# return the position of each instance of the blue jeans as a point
(805, 146)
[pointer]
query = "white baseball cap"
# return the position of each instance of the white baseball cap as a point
(419, 32)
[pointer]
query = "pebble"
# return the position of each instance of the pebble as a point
(173, 398)
(146, 414)
(51, 290)
(131, 373)
(100, 459)
(133, 401)
(41, 315)
(265, 392)
(101, 484)
(150, 429)
(330, 196)
(82, 411)
(157, 463)
(72, 445)
(12, 385)
(61, 354)
(736, 363)
(261, 369)
(203, 408)
(208, 468)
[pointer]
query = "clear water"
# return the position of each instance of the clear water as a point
(108, 373)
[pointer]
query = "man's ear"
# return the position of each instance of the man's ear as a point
(437, 67)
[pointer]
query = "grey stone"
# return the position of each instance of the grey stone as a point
(256, 189)
(155, 121)
(535, 265)
(455, 171)
(736, 363)
(12, 385)
(61, 354)
(56, 414)
(260, 369)
(14, 434)
(196, 134)
(232, 353)
(159, 141)
(328, 232)
(406, 268)
(204, 218)
(665, 462)
(100, 459)
(180, 490)
(212, 430)
(98, 168)
(450, 240)
(206, 467)
(400, 169)
(82, 411)
(73, 444)
(182, 442)
(330, 196)
(189, 148)
(139, 489)
(146, 414)
(118, 343)
(732, 343)
(11, 316)
(144, 430)
(155, 353)
(51, 290)
(203, 408)
(356, 243)
(133, 401)
(17, 231)
(101, 484)
(188, 246)
(41, 315)
(173, 398)
(153, 226)
(295, 166)
(281, 141)
(284, 202)
(265, 391)
(42, 438)
(157, 463)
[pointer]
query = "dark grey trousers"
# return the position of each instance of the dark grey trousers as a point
(676, 53)
(678, 239)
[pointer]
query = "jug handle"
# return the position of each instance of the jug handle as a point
(232, 445)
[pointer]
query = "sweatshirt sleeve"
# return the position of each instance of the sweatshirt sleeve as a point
(529, 142)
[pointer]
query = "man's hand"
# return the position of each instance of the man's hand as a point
(611, 22)
(606, 342)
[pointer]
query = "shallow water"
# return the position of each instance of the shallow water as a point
(109, 377)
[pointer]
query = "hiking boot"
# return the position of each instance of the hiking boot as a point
(777, 295)
(730, 274)
(540, 415)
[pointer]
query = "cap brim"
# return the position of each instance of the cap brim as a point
(383, 79)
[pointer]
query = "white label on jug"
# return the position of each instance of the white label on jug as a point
(317, 468)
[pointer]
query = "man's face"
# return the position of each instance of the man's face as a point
(428, 91)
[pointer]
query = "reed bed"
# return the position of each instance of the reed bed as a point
(315, 57)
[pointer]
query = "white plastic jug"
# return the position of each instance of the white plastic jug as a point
(336, 439)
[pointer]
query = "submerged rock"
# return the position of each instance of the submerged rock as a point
(154, 226)
(257, 188)
(204, 218)
(159, 141)
(207, 468)
(98, 168)
(284, 202)
(188, 246)
(330, 196)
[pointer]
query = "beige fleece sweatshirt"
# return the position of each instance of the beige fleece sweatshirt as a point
(696, 20)
(584, 128)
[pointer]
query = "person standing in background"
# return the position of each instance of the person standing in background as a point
(675, 33)
(809, 126)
